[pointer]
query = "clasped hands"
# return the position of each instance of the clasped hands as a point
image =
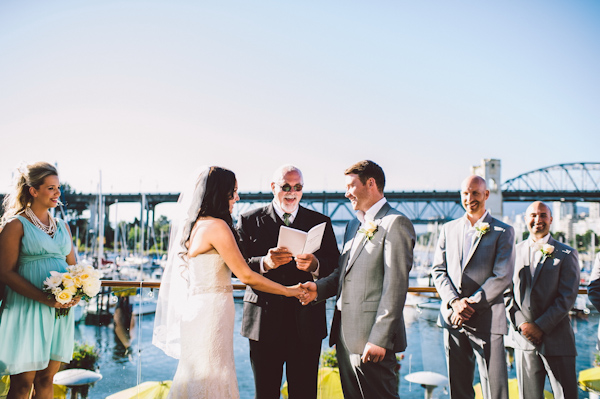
(532, 332)
(461, 311)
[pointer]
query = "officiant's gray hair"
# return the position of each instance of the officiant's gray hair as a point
(283, 170)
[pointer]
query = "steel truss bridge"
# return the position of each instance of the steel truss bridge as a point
(572, 182)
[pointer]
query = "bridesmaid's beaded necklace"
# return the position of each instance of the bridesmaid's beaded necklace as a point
(50, 229)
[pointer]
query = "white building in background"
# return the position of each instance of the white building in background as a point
(490, 170)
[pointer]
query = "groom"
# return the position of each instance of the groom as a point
(370, 285)
(280, 330)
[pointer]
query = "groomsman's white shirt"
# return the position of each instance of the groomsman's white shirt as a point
(469, 236)
(535, 253)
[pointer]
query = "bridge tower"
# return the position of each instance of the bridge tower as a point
(490, 170)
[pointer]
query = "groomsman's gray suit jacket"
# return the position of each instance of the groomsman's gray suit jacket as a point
(373, 284)
(546, 299)
(487, 274)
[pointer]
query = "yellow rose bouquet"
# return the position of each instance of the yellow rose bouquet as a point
(77, 281)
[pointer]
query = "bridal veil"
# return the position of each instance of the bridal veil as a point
(173, 292)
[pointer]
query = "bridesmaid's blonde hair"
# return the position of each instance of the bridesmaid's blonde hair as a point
(27, 176)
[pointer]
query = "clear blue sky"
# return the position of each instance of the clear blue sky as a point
(148, 90)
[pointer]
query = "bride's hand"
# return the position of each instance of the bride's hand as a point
(295, 290)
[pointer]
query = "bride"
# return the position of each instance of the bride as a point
(195, 314)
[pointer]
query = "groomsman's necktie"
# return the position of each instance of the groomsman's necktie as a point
(286, 218)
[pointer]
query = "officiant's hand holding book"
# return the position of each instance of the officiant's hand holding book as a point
(277, 257)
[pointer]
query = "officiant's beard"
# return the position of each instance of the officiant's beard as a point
(289, 207)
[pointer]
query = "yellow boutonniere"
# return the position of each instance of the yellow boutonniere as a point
(482, 229)
(369, 229)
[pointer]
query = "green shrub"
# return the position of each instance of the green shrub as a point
(84, 357)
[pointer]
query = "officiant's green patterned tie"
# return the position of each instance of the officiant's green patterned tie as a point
(286, 218)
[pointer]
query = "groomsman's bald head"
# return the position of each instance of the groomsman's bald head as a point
(473, 194)
(539, 219)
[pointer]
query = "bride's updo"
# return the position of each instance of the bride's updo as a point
(27, 176)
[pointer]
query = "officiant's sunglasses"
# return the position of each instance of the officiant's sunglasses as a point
(287, 188)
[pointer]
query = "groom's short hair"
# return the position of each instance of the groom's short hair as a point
(365, 170)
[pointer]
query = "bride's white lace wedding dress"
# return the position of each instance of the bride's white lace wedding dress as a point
(206, 368)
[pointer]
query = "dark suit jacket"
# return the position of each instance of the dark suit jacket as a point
(258, 231)
(546, 299)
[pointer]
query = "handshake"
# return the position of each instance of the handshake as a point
(305, 292)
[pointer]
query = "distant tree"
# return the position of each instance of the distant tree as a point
(560, 236)
(161, 230)
(585, 240)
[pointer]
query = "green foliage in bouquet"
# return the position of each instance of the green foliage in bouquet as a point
(597, 359)
(84, 357)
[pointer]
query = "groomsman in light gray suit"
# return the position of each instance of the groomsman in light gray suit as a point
(473, 266)
(545, 286)
(370, 285)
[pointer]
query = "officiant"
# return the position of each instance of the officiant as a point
(281, 330)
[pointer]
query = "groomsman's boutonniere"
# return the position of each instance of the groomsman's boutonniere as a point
(369, 229)
(547, 250)
(483, 228)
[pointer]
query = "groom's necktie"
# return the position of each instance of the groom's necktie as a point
(286, 218)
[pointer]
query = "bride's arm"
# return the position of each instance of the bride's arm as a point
(222, 239)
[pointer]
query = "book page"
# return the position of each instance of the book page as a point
(292, 239)
(299, 242)
(314, 238)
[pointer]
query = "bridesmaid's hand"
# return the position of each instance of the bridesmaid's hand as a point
(53, 303)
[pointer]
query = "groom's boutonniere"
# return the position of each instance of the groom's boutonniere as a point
(547, 250)
(483, 228)
(369, 229)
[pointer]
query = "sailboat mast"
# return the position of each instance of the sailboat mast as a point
(100, 222)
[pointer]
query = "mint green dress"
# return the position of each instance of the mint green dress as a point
(30, 335)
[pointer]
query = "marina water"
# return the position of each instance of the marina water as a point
(425, 352)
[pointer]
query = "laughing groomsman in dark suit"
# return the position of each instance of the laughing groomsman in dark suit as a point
(370, 285)
(280, 330)
(472, 267)
(545, 287)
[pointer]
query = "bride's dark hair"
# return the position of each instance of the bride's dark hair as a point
(216, 192)
(220, 186)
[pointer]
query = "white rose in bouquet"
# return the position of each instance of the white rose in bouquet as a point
(91, 287)
(64, 297)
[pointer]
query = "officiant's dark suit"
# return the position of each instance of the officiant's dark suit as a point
(280, 329)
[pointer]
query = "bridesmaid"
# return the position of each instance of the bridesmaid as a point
(33, 243)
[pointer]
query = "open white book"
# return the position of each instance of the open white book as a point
(301, 242)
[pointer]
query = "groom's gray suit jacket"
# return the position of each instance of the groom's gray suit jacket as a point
(487, 274)
(373, 283)
(546, 299)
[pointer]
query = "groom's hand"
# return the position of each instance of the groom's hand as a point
(372, 353)
(311, 293)
(306, 262)
(277, 257)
